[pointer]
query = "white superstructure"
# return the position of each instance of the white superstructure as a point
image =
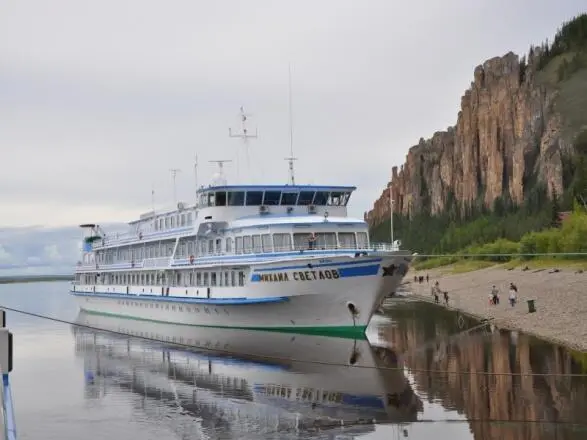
(284, 257)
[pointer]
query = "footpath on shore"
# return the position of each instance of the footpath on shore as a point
(560, 299)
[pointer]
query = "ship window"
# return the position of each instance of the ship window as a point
(198, 279)
(289, 198)
(306, 197)
(211, 199)
(345, 198)
(301, 241)
(166, 222)
(266, 242)
(256, 243)
(326, 240)
(247, 244)
(210, 246)
(236, 198)
(282, 242)
(272, 197)
(347, 240)
(228, 245)
(221, 198)
(226, 281)
(203, 200)
(362, 240)
(238, 245)
(335, 199)
(321, 198)
(254, 198)
(218, 248)
(233, 279)
(241, 278)
(213, 278)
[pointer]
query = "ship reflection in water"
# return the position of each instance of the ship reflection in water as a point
(245, 384)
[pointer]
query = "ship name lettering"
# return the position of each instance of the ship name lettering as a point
(271, 277)
(311, 275)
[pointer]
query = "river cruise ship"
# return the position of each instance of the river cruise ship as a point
(274, 257)
(282, 257)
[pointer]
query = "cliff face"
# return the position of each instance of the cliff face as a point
(507, 132)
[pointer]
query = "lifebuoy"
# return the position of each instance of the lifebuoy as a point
(191, 259)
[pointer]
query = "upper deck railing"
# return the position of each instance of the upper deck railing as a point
(253, 254)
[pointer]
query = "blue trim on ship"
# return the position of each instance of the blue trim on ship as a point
(180, 299)
(269, 256)
(305, 266)
(343, 272)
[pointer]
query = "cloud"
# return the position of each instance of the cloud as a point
(41, 250)
(5, 257)
(100, 100)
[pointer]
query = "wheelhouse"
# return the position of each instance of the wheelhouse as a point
(274, 195)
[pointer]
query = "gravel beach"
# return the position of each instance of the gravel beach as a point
(560, 298)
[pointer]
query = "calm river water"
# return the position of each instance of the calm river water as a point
(425, 373)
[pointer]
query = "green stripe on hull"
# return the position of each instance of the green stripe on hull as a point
(341, 331)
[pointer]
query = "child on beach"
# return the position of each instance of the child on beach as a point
(513, 294)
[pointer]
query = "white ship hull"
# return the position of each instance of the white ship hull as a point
(315, 295)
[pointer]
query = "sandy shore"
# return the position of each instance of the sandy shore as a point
(561, 300)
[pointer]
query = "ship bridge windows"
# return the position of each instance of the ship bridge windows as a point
(272, 197)
(306, 197)
(236, 198)
(289, 198)
(321, 198)
(254, 198)
(220, 198)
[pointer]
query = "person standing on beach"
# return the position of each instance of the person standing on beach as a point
(445, 298)
(513, 294)
(495, 295)
(436, 291)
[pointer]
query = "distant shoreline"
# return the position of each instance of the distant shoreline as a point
(33, 278)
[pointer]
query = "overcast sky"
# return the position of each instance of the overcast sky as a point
(98, 100)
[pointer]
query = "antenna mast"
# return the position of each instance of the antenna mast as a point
(245, 136)
(220, 180)
(153, 197)
(196, 177)
(291, 157)
(174, 172)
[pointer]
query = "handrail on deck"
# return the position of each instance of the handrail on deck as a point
(162, 261)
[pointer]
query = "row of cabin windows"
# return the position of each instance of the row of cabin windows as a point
(287, 198)
(224, 278)
(173, 221)
(128, 253)
(255, 243)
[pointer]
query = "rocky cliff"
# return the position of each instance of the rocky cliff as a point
(508, 133)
